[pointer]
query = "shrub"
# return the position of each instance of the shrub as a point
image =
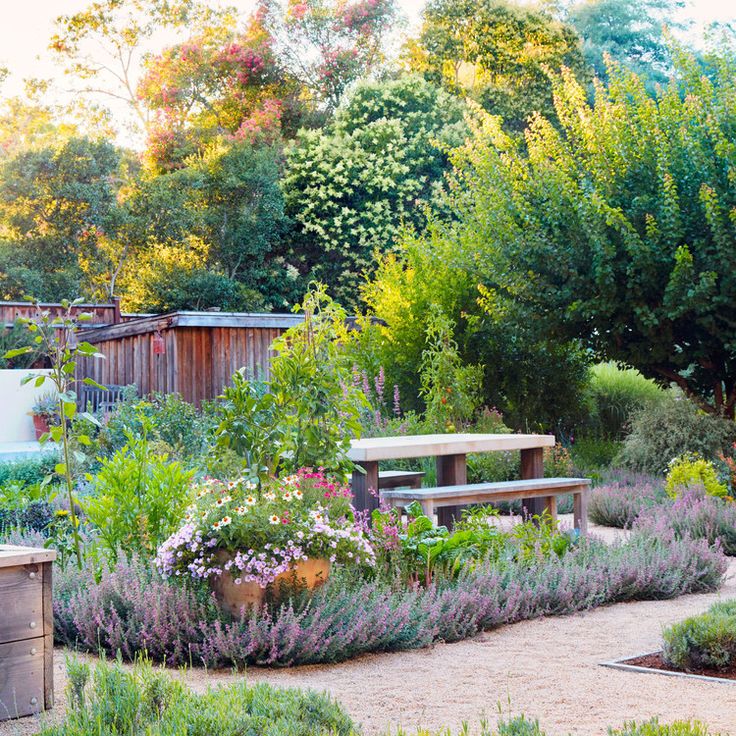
(28, 471)
(671, 428)
(139, 496)
(133, 609)
(110, 699)
(618, 503)
(616, 393)
(591, 454)
(691, 471)
(694, 515)
(707, 641)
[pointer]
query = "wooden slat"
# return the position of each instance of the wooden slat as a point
(21, 678)
(11, 555)
(21, 593)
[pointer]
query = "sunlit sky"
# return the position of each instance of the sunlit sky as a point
(28, 24)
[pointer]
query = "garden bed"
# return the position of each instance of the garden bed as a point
(654, 662)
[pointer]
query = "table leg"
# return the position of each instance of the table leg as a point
(451, 471)
(532, 466)
(365, 487)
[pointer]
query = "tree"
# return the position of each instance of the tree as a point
(219, 84)
(350, 186)
(228, 201)
(56, 205)
(329, 44)
(617, 228)
(630, 32)
(103, 45)
(497, 52)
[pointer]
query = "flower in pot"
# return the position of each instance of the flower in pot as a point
(44, 411)
(246, 536)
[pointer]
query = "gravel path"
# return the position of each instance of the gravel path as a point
(548, 669)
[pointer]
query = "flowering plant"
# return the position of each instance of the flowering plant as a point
(258, 531)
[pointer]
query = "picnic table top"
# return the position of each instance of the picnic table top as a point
(12, 555)
(372, 449)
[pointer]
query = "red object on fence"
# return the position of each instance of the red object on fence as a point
(159, 344)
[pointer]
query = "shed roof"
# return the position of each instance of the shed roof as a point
(158, 322)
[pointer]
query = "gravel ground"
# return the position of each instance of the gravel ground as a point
(548, 669)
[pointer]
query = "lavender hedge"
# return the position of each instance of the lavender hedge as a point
(132, 609)
(619, 501)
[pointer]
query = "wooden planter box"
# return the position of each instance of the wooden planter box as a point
(26, 631)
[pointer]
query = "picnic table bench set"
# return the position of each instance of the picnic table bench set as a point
(26, 617)
(453, 491)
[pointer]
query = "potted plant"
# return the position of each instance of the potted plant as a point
(44, 410)
(247, 535)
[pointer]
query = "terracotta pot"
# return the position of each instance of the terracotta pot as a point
(40, 424)
(311, 573)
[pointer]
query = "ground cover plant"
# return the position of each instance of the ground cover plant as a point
(110, 699)
(131, 609)
(707, 641)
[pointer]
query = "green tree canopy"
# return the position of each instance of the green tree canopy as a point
(618, 228)
(497, 52)
(58, 207)
(350, 186)
(630, 32)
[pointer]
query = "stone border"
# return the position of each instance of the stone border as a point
(620, 664)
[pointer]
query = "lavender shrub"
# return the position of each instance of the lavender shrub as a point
(694, 515)
(620, 499)
(132, 609)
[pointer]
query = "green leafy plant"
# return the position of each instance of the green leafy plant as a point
(308, 411)
(707, 641)
(55, 338)
(450, 389)
(46, 405)
(691, 471)
(138, 498)
(111, 699)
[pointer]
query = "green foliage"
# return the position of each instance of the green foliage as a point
(669, 429)
(498, 52)
(111, 699)
(614, 226)
(28, 471)
(55, 338)
(209, 234)
(308, 411)
(630, 32)
(169, 423)
(707, 641)
(12, 338)
(616, 394)
(537, 383)
(350, 186)
(450, 390)
(592, 454)
(655, 728)
(58, 208)
(691, 471)
(138, 498)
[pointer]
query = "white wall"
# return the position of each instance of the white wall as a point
(16, 402)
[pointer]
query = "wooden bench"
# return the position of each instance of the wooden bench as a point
(480, 493)
(400, 479)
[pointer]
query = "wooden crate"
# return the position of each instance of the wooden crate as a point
(26, 631)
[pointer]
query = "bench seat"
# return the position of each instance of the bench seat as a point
(400, 478)
(472, 494)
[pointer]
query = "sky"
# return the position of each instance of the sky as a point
(28, 24)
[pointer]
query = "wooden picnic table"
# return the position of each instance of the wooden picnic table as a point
(450, 452)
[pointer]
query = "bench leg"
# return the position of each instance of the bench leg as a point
(580, 512)
(532, 466)
(428, 508)
(451, 471)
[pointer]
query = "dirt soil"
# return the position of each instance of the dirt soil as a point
(548, 669)
(656, 661)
